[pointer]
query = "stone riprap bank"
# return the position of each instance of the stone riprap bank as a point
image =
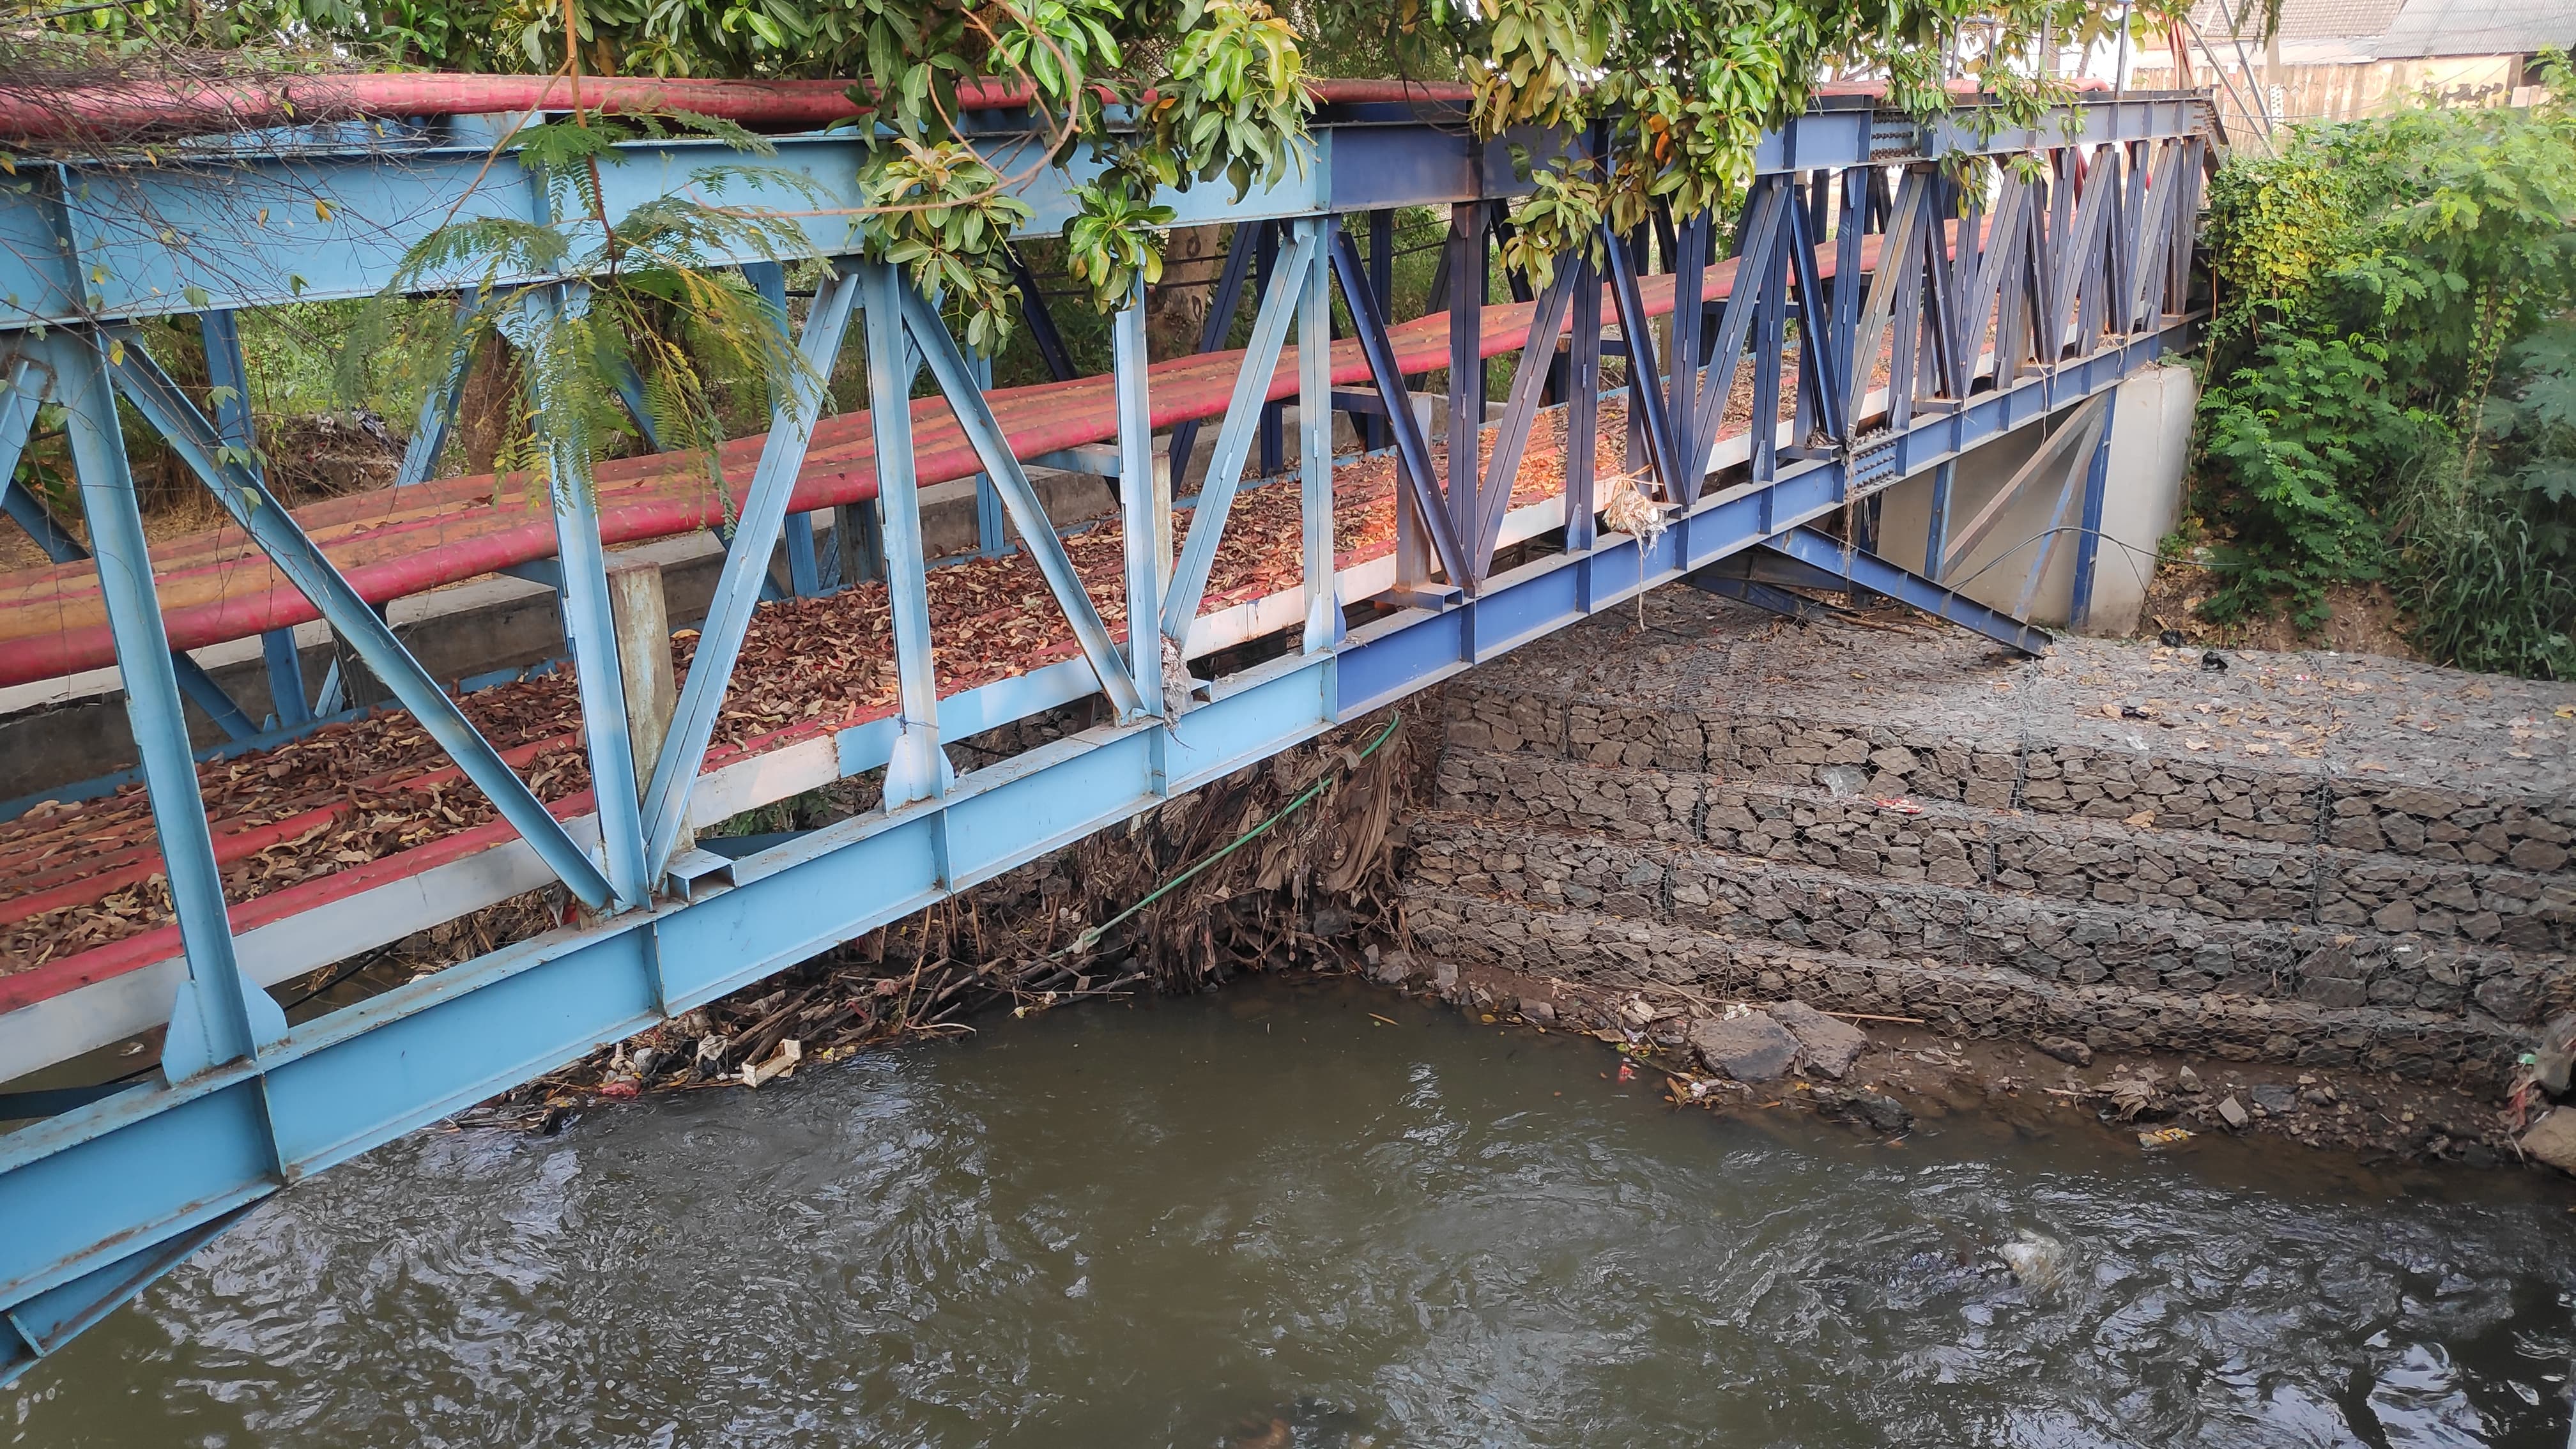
(2329, 860)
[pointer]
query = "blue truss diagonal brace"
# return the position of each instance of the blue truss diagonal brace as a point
(1868, 571)
(258, 513)
(958, 382)
(746, 566)
(1234, 438)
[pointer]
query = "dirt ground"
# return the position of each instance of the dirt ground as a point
(2361, 619)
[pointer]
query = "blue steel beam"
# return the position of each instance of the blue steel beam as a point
(918, 769)
(746, 564)
(155, 237)
(1865, 570)
(1768, 597)
(219, 1016)
(258, 513)
(83, 1190)
(960, 384)
(1227, 300)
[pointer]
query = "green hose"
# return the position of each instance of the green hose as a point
(1091, 937)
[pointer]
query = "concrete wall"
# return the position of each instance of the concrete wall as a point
(2142, 500)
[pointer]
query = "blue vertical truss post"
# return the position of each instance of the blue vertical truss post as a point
(26, 393)
(1315, 436)
(1380, 278)
(1143, 508)
(918, 769)
(746, 564)
(1583, 409)
(1690, 318)
(1465, 251)
(1849, 223)
(591, 634)
(219, 1016)
(228, 390)
(1274, 433)
(254, 509)
(992, 533)
(1770, 337)
(2088, 542)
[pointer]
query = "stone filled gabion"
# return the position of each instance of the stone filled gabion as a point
(2309, 859)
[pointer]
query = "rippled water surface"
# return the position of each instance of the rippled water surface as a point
(1265, 1218)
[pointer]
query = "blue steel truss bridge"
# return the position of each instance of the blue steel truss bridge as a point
(1719, 399)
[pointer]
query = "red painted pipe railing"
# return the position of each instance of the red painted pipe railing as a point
(169, 108)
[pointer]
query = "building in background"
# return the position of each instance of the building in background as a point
(2342, 59)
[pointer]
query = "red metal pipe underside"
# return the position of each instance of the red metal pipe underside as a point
(390, 544)
(167, 108)
(175, 108)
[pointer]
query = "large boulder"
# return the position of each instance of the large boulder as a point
(1751, 1048)
(1829, 1042)
(2552, 1139)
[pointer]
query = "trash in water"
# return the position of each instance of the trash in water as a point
(2035, 1258)
(2164, 1137)
(1627, 1071)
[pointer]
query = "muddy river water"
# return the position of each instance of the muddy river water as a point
(1309, 1216)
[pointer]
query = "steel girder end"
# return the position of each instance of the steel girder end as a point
(34, 1327)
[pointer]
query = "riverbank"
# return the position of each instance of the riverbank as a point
(1900, 1074)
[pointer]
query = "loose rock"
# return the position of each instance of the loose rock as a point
(1879, 1112)
(2233, 1113)
(1830, 1044)
(2275, 1098)
(2553, 1140)
(1748, 1048)
(2066, 1049)
(1537, 1012)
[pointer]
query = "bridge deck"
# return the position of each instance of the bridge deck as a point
(356, 805)
(365, 831)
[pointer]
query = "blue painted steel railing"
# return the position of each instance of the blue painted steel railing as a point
(2043, 296)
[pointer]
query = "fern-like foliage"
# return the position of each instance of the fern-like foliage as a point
(608, 318)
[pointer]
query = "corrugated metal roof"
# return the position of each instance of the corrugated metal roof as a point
(2404, 29)
(2479, 27)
